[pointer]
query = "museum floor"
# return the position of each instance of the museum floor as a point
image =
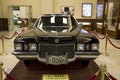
(112, 61)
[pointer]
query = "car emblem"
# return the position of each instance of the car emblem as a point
(56, 40)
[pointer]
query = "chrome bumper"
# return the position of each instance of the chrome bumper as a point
(26, 55)
(78, 55)
(87, 55)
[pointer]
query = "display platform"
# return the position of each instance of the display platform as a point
(37, 70)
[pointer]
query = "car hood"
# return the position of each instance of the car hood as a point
(35, 32)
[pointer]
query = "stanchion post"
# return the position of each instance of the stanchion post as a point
(3, 49)
(106, 45)
(102, 72)
(1, 77)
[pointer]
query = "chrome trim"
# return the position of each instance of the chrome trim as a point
(57, 44)
(44, 59)
(56, 36)
(25, 53)
(35, 55)
(86, 56)
(91, 53)
(27, 56)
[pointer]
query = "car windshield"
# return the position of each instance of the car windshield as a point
(56, 23)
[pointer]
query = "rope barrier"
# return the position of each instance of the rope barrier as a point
(113, 44)
(21, 32)
(94, 76)
(2, 37)
(11, 36)
(9, 77)
(106, 39)
(102, 71)
(91, 32)
(99, 36)
(110, 76)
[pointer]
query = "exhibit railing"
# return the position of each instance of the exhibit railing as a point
(107, 39)
(8, 38)
(102, 72)
(2, 70)
(106, 36)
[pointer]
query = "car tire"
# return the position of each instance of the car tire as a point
(27, 63)
(85, 63)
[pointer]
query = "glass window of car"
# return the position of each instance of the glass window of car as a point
(56, 23)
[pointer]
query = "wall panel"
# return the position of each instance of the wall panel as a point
(46, 6)
(1, 9)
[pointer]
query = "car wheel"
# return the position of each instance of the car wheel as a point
(85, 62)
(27, 63)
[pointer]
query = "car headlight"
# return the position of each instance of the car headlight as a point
(32, 47)
(80, 47)
(18, 47)
(94, 47)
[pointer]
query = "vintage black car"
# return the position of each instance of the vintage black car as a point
(56, 39)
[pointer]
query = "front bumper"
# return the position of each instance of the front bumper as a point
(87, 55)
(35, 56)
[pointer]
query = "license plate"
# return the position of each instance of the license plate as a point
(56, 60)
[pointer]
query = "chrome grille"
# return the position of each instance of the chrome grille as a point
(56, 49)
(59, 39)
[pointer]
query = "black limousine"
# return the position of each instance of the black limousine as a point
(56, 39)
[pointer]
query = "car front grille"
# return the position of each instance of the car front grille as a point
(58, 39)
(56, 50)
